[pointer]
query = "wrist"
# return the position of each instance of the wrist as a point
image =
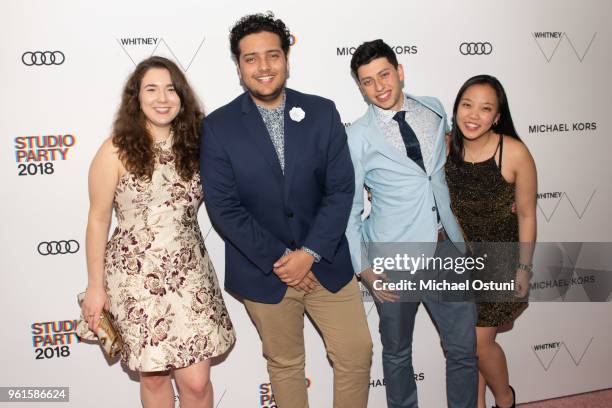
(96, 287)
(525, 267)
(316, 258)
(366, 272)
(310, 256)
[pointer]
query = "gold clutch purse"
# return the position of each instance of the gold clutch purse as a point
(110, 339)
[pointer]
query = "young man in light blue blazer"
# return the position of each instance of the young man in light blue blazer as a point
(398, 152)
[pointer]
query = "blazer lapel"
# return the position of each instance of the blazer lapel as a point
(258, 134)
(293, 132)
(376, 137)
(440, 142)
(439, 157)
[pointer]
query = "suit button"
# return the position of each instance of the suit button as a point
(433, 208)
(429, 178)
(289, 214)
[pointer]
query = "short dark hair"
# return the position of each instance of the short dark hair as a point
(256, 23)
(369, 51)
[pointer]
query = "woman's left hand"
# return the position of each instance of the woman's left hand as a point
(522, 283)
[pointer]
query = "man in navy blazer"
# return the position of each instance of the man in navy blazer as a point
(278, 183)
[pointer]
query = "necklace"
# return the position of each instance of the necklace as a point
(165, 139)
(476, 157)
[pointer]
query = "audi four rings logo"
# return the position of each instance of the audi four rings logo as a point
(38, 58)
(476, 48)
(58, 247)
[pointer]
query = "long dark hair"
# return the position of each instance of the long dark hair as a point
(131, 137)
(504, 125)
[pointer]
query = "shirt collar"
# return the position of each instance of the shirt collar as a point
(279, 108)
(386, 115)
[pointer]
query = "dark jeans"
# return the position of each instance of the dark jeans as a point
(456, 322)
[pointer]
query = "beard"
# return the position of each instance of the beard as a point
(268, 95)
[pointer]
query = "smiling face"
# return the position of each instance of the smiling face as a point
(263, 67)
(381, 83)
(158, 100)
(477, 111)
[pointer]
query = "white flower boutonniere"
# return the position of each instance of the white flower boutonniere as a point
(297, 114)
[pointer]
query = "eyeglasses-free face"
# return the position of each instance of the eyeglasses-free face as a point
(263, 67)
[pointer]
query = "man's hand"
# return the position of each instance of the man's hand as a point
(293, 267)
(308, 284)
(368, 276)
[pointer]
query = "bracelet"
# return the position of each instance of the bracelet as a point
(317, 257)
(526, 267)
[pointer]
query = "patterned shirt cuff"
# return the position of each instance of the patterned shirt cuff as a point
(317, 257)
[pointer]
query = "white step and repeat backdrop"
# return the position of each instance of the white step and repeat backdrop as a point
(553, 57)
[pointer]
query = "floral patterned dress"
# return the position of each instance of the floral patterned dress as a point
(163, 291)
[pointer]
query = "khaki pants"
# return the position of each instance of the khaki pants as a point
(340, 317)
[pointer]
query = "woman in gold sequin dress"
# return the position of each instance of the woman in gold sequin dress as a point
(154, 275)
(489, 171)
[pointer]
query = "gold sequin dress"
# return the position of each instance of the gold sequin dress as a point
(163, 291)
(482, 201)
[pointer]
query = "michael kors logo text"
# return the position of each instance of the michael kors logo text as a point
(398, 49)
(562, 127)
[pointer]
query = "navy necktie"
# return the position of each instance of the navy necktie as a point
(413, 148)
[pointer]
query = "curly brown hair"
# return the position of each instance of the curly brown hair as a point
(256, 23)
(131, 137)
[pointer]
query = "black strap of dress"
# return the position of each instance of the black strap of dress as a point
(500, 147)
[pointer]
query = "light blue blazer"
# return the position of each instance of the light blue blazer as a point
(404, 197)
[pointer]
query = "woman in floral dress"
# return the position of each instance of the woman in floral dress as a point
(154, 275)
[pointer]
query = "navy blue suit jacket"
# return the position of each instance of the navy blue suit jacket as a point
(260, 212)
